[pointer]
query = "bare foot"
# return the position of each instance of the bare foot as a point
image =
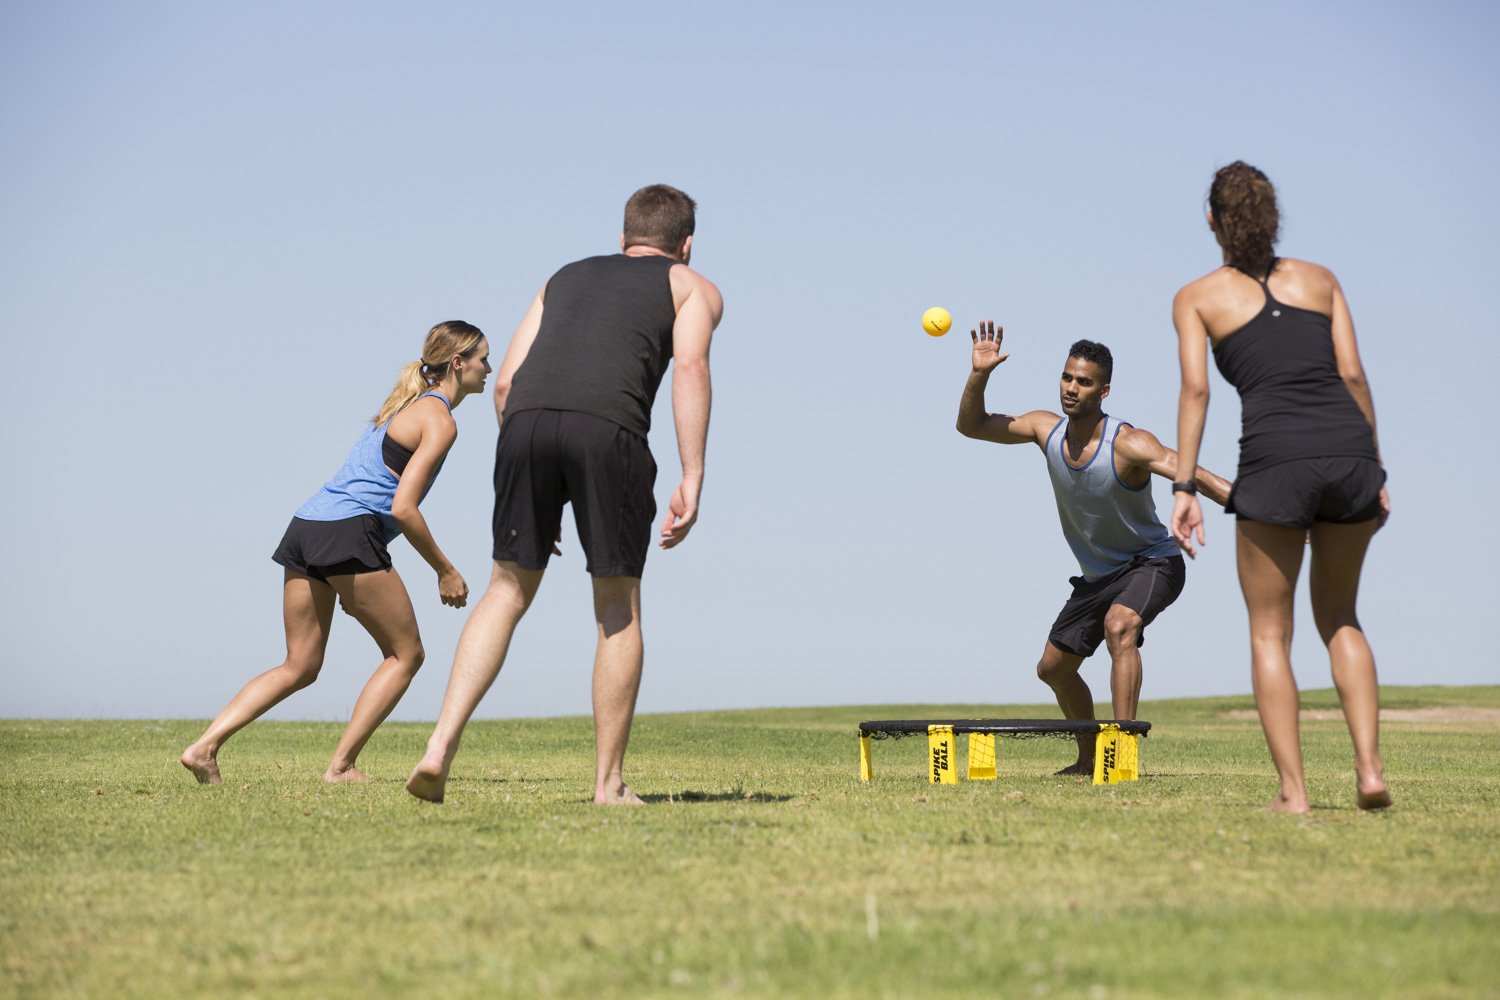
(350, 773)
(1370, 790)
(1079, 767)
(1282, 804)
(203, 765)
(619, 796)
(428, 780)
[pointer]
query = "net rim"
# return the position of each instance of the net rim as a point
(896, 728)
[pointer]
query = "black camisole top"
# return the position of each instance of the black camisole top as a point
(1293, 403)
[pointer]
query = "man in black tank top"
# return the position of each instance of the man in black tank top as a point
(574, 397)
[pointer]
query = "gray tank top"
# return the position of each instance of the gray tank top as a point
(1106, 523)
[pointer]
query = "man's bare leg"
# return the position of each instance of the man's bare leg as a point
(1060, 671)
(618, 661)
(1338, 552)
(380, 603)
(307, 612)
(1122, 633)
(476, 663)
(1270, 557)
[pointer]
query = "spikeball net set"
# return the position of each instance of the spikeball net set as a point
(1116, 744)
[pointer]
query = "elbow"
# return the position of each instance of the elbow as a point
(1194, 392)
(404, 513)
(964, 427)
(502, 391)
(694, 368)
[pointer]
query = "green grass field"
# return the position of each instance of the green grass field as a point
(763, 867)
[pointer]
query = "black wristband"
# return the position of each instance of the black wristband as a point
(1382, 475)
(1185, 488)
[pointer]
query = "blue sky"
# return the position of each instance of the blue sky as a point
(226, 227)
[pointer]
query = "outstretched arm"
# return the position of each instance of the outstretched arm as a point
(692, 399)
(973, 420)
(1141, 450)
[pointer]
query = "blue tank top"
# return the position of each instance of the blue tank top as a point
(1106, 523)
(363, 485)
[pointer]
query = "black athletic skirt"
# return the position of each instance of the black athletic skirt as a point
(1339, 489)
(321, 549)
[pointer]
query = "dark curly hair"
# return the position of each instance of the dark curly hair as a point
(1245, 216)
(1089, 350)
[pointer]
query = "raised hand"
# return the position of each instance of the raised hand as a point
(987, 340)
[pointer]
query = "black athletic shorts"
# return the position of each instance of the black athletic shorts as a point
(1341, 490)
(1146, 586)
(547, 458)
(321, 549)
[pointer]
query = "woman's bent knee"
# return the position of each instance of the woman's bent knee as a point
(302, 673)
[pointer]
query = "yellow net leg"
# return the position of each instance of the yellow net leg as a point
(1129, 757)
(1104, 754)
(981, 757)
(941, 770)
(1116, 756)
(866, 767)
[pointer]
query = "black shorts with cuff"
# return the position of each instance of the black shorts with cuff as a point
(321, 549)
(1294, 494)
(546, 459)
(1147, 586)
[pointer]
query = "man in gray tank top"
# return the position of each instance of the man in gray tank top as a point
(1101, 468)
(574, 397)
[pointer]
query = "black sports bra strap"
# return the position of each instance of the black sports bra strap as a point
(1264, 283)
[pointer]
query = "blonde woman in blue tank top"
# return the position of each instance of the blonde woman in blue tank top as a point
(1310, 474)
(335, 551)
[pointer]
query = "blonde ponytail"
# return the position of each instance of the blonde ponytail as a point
(443, 341)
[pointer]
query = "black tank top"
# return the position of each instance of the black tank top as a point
(1293, 402)
(604, 342)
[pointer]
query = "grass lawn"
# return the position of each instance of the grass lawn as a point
(762, 867)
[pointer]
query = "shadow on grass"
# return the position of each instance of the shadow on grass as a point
(475, 780)
(691, 795)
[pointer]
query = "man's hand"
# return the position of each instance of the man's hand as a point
(987, 338)
(682, 512)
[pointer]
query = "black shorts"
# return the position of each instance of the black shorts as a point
(547, 458)
(321, 549)
(1146, 586)
(1340, 490)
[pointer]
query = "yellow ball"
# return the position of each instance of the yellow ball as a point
(936, 321)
